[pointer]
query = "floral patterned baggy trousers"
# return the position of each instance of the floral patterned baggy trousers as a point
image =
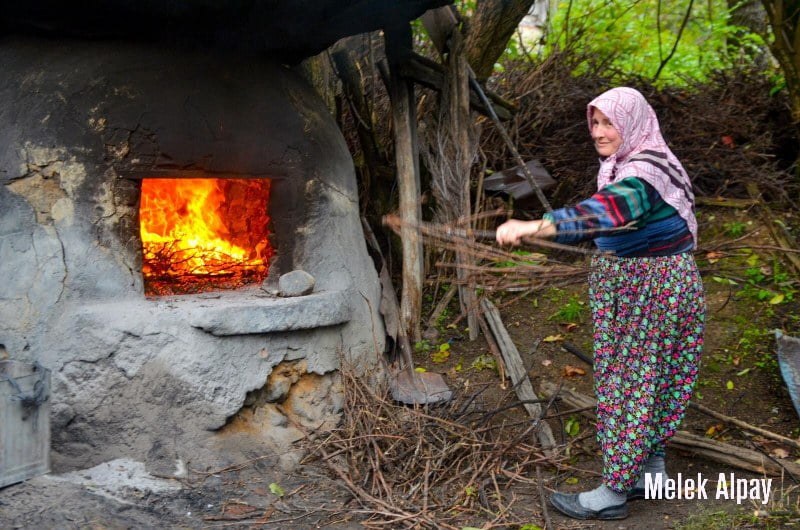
(649, 316)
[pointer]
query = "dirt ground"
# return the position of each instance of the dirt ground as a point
(739, 372)
(739, 377)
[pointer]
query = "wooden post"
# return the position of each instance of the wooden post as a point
(460, 125)
(401, 93)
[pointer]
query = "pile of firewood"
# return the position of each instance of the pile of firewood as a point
(728, 132)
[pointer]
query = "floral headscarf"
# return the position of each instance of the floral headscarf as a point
(644, 153)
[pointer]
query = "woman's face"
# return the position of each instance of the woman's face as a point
(606, 138)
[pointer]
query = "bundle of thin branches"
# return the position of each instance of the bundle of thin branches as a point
(440, 467)
(177, 258)
(496, 268)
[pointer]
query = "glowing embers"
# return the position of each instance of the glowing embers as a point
(204, 234)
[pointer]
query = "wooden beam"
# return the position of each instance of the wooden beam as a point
(431, 74)
(516, 370)
(460, 124)
(726, 202)
(401, 93)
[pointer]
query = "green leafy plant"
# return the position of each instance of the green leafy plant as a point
(442, 353)
(483, 362)
(422, 346)
(735, 228)
(765, 283)
(572, 426)
(572, 311)
(756, 343)
(442, 319)
(276, 490)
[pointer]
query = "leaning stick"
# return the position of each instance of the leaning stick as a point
(516, 369)
(744, 425)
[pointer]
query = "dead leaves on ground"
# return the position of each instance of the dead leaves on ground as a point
(573, 371)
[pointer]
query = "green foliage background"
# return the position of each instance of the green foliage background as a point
(624, 38)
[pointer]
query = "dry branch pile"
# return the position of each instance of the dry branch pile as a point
(727, 133)
(441, 467)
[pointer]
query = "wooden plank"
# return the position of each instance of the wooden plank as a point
(726, 202)
(516, 370)
(440, 23)
(401, 93)
(24, 430)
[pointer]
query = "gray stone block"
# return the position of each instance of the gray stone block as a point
(296, 283)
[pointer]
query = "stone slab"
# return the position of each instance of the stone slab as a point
(272, 315)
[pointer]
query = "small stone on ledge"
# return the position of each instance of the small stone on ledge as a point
(296, 283)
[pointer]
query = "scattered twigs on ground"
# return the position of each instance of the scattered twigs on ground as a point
(705, 410)
(429, 467)
(713, 450)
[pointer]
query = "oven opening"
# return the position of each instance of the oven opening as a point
(204, 234)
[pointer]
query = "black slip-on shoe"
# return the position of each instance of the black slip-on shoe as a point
(635, 494)
(569, 505)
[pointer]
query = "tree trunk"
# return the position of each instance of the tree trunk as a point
(489, 30)
(784, 18)
(748, 14)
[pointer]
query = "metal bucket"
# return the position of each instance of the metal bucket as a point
(24, 421)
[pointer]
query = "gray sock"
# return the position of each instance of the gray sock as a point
(654, 465)
(601, 497)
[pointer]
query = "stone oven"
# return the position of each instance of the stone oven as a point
(151, 349)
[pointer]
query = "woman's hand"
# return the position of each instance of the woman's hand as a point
(513, 230)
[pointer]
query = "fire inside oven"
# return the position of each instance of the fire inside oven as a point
(204, 234)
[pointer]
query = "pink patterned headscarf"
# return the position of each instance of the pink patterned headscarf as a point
(643, 153)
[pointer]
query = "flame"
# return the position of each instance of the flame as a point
(195, 229)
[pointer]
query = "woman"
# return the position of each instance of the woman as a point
(645, 293)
